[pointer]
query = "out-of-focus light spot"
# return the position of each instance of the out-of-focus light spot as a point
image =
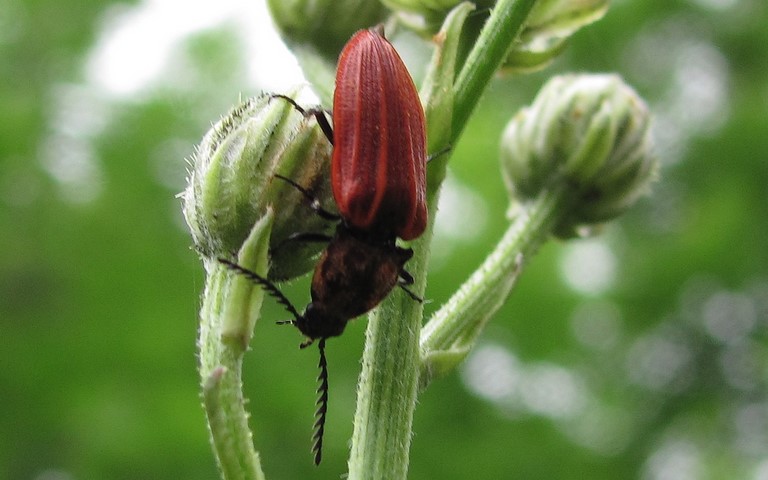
(741, 367)
(600, 428)
(462, 213)
(461, 218)
(729, 317)
(589, 266)
(659, 361)
(552, 391)
(670, 138)
(700, 88)
(136, 43)
(78, 111)
(492, 372)
(667, 213)
(168, 164)
(67, 154)
(761, 471)
(54, 475)
(72, 164)
(694, 293)
(597, 325)
(697, 76)
(716, 4)
(758, 291)
(751, 425)
(12, 21)
(674, 460)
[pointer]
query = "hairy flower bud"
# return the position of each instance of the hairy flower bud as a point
(549, 26)
(589, 133)
(232, 182)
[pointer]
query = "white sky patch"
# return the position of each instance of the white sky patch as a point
(134, 51)
(136, 43)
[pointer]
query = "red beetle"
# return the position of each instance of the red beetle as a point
(378, 172)
(379, 183)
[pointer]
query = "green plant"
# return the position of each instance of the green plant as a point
(577, 157)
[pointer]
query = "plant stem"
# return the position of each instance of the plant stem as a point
(231, 306)
(450, 333)
(499, 32)
(389, 380)
(387, 391)
(220, 373)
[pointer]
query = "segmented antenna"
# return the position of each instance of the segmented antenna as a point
(322, 405)
(268, 286)
(314, 203)
(322, 378)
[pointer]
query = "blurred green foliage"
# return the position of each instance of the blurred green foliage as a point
(657, 372)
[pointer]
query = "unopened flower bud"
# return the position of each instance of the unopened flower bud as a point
(588, 133)
(425, 17)
(422, 6)
(232, 182)
(326, 25)
(549, 26)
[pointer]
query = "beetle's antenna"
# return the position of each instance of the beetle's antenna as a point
(268, 286)
(314, 203)
(439, 153)
(322, 405)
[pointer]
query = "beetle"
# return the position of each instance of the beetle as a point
(378, 179)
(378, 169)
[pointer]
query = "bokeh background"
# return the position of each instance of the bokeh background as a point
(637, 354)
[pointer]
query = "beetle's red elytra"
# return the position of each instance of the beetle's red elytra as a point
(378, 169)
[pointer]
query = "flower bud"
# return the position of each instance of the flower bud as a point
(232, 182)
(422, 6)
(550, 24)
(426, 17)
(589, 133)
(324, 24)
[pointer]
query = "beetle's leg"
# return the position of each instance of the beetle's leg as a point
(403, 281)
(316, 112)
(314, 202)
